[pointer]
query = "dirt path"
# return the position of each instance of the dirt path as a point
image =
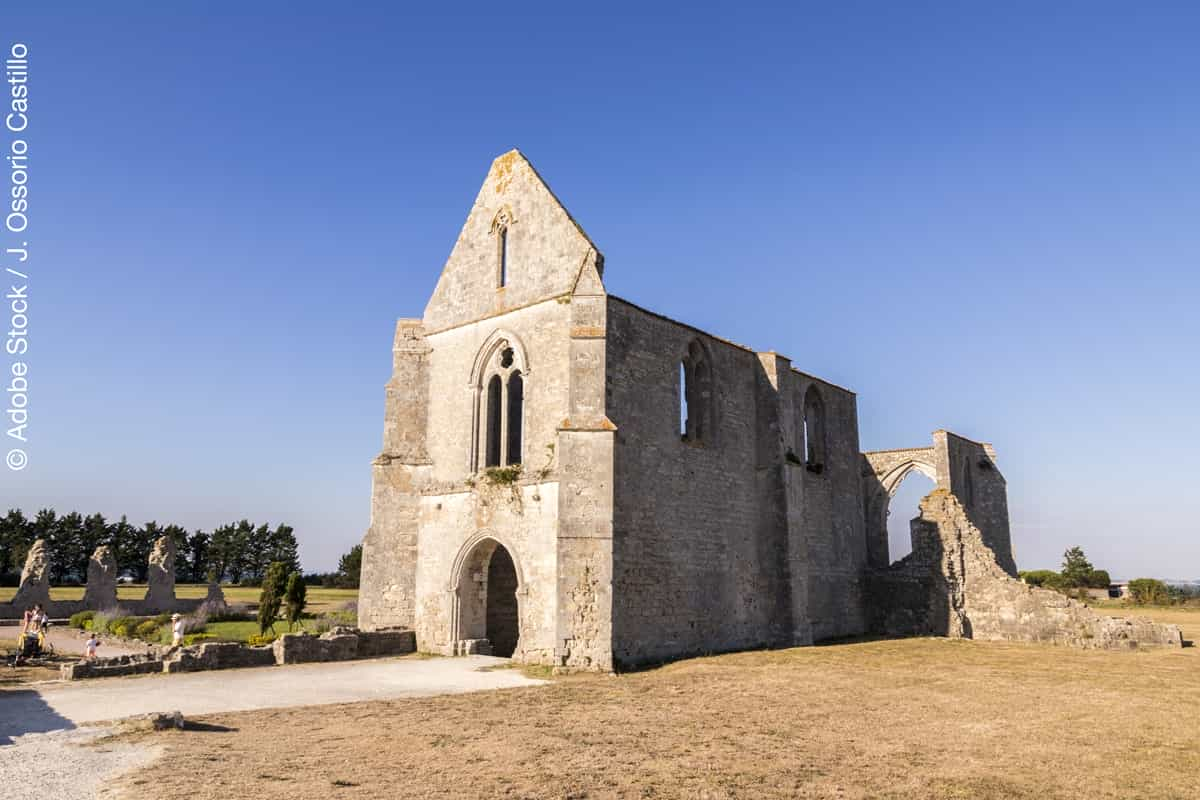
(57, 706)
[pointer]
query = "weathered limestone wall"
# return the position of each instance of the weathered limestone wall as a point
(698, 553)
(387, 594)
(953, 584)
(831, 515)
(160, 589)
(545, 249)
(101, 591)
(452, 526)
(35, 578)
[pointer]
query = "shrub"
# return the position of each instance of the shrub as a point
(259, 639)
(1038, 577)
(196, 638)
(78, 620)
(123, 626)
(101, 619)
(161, 619)
(1146, 591)
(147, 629)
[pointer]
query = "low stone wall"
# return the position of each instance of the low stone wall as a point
(217, 655)
(112, 667)
(952, 585)
(342, 645)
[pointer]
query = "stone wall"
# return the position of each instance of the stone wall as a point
(953, 584)
(218, 655)
(729, 541)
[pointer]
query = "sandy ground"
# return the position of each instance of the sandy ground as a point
(933, 719)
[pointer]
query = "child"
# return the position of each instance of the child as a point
(89, 647)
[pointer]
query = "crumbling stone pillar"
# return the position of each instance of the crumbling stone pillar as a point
(35, 578)
(160, 593)
(101, 591)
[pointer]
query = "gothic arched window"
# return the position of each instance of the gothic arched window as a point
(498, 381)
(500, 225)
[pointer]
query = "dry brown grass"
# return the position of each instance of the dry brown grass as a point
(917, 718)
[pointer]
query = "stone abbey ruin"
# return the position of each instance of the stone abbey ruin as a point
(537, 496)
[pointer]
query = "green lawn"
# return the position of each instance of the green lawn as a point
(319, 598)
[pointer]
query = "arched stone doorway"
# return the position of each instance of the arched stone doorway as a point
(487, 599)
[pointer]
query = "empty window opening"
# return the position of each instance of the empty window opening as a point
(903, 507)
(695, 395)
(502, 237)
(683, 400)
(493, 422)
(813, 431)
(516, 397)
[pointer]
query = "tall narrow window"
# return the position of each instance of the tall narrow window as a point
(516, 397)
(814, 430)
(683, 400)
(493, 422)
(502, 237)
(695, 395)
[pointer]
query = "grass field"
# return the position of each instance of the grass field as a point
(913, 718)
(319, 597)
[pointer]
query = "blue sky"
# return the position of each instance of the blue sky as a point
(980, 219)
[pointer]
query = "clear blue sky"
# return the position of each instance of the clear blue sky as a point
(983, 220)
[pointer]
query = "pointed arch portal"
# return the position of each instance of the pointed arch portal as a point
(486, 589)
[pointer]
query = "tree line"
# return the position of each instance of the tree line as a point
(239, 552)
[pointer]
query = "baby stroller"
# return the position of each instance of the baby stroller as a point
(32, 646)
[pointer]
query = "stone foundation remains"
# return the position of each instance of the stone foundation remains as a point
(340, 644)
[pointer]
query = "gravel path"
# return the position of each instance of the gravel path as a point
(61, 764)
(192, 693)
(40, 756)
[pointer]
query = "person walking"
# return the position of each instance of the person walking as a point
(89, 647)
(176, 630)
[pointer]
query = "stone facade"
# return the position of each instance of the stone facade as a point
(573, 480)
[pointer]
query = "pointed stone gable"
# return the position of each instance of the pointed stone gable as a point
(546, 250)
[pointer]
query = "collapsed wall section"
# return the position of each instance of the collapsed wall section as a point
(953, 584)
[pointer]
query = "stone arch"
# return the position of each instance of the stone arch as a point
(487, 589)
(889, 469)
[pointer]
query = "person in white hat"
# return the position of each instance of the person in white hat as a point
(176, 630)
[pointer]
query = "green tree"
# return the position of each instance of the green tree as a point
(1149, 591)
(16, 534)
(274, 586)
(350, 568)
(1076, 569)
(198, 560)
(297, 598)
